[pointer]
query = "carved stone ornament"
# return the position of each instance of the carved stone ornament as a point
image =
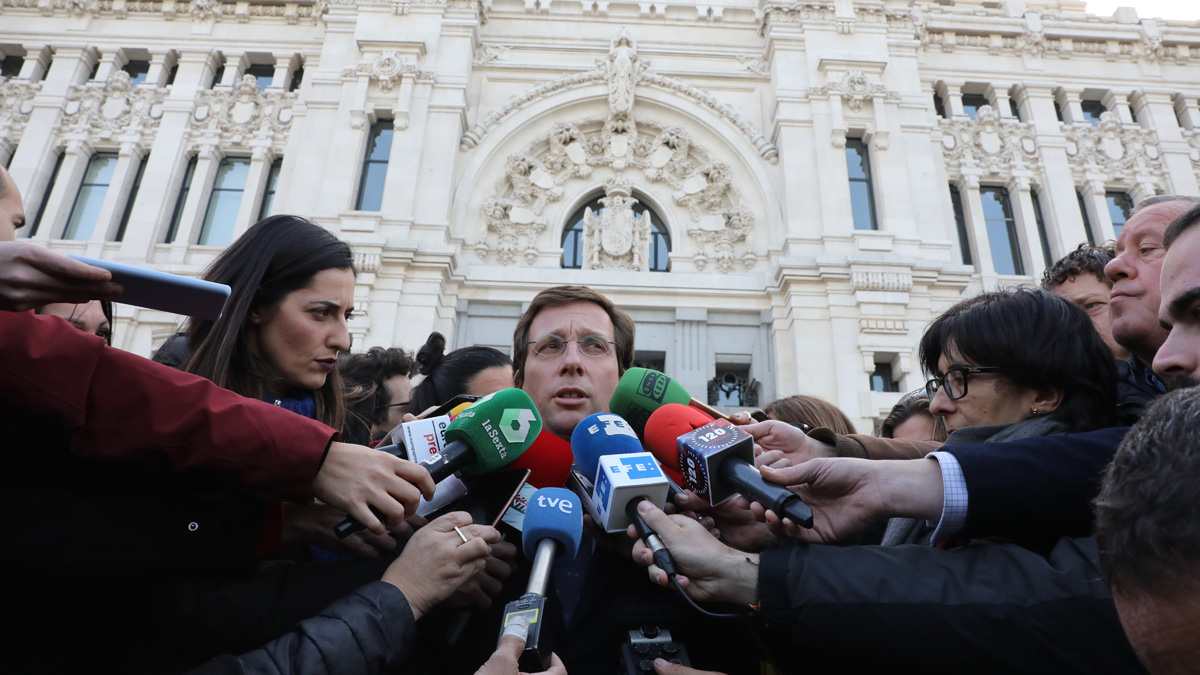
(623, 71)
(512, 236)
(616, 237)
(113, 109)
(203, 10)
(386, 69)
(16, 104)
(854, 87)
(492, 52)
(1118, 152)
(1192, 136)
(995, 146)
(754, 64)
(245, 114)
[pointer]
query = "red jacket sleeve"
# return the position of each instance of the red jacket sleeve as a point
(122, 406)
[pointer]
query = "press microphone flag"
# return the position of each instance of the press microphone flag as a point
(486, 436)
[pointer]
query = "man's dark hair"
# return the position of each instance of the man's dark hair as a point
(1147, 522)
(366, 373)
(1038, 340)
(564, 295)
(1181, 224)
(1086, 259)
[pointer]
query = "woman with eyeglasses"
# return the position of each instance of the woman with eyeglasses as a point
(1008, 365)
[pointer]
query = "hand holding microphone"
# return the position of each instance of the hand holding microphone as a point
(488, 435)
(439, 558)
(372, 487)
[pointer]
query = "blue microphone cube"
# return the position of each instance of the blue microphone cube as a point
(621, 479)
(703, 450)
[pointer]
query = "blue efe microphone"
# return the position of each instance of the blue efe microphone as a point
(608, 453)
(552, 531)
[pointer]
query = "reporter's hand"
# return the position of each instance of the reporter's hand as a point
(731, 520)
(32, 276)
(355, 477)
(848, 494)
(508, 652)
(481, 588)
(314, 524)
(707, 569)
(437, 562)
(779, 444)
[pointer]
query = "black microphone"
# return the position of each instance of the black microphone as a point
(718, 462)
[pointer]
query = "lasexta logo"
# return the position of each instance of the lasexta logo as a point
(515, 424)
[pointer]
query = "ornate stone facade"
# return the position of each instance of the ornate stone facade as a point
(737, 125)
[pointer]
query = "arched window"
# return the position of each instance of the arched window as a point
(572, 241)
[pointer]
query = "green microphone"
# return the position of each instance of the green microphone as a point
(640, 392)
(486, 436)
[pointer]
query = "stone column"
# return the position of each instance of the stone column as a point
(1115, 105)
(208, 159)
(952, 99)
(256, 181)
(1158, 110)
(1097, 208)
(1027, 229)
(1000, 101)
(690, 361)
(163, 179)
(1060, 208)
(797, 137)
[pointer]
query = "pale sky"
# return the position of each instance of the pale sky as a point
(1149, 9)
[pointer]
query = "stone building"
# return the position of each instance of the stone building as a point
(782, 194)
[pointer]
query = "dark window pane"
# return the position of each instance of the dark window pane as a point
(972, 103)
(862, 201)
(181, 201)
(1119, 206)
(137, 71)
(224, 202)
(960, 221)
(1002, 231)
(37, 219)
(1041, 225)
(1087, 222)
(263, 73)
(218, 75)
(11, 66)
(297, 79)
(731, 387)
(95, 69)
(1092, 111)
(269, 193)
(133, 192)
(171, 74)
(881, 379)
(1014, 109)
(939, 108)
(1058, 111)
(86, 210)
(379, 147)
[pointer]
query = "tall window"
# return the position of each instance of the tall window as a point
(862, 200)
(218, 75)
(137, 71)
(1041, 226)
(10, 66)
(263, 73)
(374, 170)
(960, 222)
(1014, 109)
(133, 193)
(1092, 111)
(268, 199)
(181, 201)
(1001, 230)
(37, 219)
(1119, 206)
(882, 380)
(171, 74)
(86, 210)
(972, 103)
(939, 108)
(572, 242)
(732, 387)
(221, 215)
(297, 79)
(1087, 222)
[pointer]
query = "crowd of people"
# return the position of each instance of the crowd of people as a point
(1029, 510)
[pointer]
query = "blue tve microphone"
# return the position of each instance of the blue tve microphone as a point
(553, 530)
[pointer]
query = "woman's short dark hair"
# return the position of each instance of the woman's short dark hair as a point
(910, 406)
(1039, 340)
(276, 256)
(448, 375)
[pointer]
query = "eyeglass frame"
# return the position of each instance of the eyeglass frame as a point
(966, 371)
(578, 343)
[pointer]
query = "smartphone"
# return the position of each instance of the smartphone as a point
(489, 495)
(445, 408)
(167, 292)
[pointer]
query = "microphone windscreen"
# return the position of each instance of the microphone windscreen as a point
(641, 391)
(553, 513)
(548, 460)
(499, 427)
(665, 427)
(601, 434)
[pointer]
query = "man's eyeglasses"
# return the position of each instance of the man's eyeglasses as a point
(552, 346)
(955, 381)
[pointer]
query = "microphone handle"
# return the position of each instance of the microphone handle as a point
(748, 481)
(662, 557)
(453, 457)
(539, 572)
